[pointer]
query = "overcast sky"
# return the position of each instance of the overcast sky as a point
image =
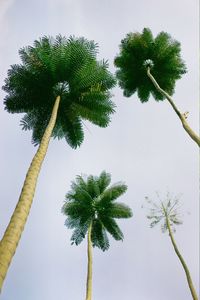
(145, 146)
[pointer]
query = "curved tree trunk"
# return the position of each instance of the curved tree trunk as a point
(15, 228)
(182, 117)
(89, 270)
(189, 279)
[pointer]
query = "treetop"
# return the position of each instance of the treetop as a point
(141, 50)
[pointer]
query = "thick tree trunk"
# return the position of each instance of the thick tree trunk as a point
(89, 270)
(15, 228)
(189, 279)
(181, 116)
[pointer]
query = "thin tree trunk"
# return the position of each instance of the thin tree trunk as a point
(89, 270)
(189, 279)
(181, 116)
(15, 228)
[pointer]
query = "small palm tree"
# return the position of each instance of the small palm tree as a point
(168, 212)
(143, 58)
(91, 209)
(59, 84)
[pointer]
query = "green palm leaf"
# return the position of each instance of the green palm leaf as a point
(113, 193)
(104, 181)
(112, 227)
(99, 236)
(119, 211)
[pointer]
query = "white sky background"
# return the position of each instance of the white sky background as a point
(145, 146)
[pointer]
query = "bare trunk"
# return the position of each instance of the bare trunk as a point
(89, 270)
(15, 228)
(181, 116)
(189, 279)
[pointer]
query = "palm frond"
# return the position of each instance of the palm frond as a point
(103, 181)
(72, 223)
(119, 210)
(113, 192)
(92, 186)
(78, 210)
(79, 234)
(112, 227)
(99, 236)
(166, 211)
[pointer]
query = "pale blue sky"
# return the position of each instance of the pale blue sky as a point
(145, 146)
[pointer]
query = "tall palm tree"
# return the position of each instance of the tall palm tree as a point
(91, 209)
(168, 212)
(144, 59)
(58, 84)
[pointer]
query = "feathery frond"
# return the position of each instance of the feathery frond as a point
(165, 211)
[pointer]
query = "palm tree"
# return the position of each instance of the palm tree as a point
(143, 58)
(59, 84)
(91, 209)
(168, 212)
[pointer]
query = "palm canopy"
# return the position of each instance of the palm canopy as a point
(60, 67)
(141, 50)
(91, 201)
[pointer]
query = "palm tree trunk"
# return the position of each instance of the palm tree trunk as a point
(15, 228)
(89, 270)
(189, 279)
(187, 128)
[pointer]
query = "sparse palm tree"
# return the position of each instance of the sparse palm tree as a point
(144, 59)
(168, 212)
(58, 84)
(91, 209)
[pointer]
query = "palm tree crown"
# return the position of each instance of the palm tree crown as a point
(91, 201)
(64, 67)
(141, 50)
(166, 212)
